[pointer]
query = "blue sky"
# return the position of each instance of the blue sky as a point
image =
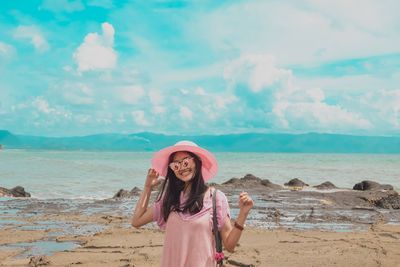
(199, 67)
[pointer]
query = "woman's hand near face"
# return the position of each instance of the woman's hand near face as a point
(246, 203)
(152, 178)
(144, 214)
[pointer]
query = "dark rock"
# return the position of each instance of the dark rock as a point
(269, 184)
(249, 181)
(296, 183)
(325, 186)
(17, 191)
(371, 185)
(4, 192)
(122, 193)
(232, 181)
(136, 191)
(250, 177)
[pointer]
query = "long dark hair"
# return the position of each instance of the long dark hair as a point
(173, 188)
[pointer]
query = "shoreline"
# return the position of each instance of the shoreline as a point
(290, 224)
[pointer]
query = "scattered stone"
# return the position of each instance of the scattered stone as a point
(38, 261)
(17, 191)
(371, 185)
(122, 193)
(296, 183)
(391, 201)
(326, 186)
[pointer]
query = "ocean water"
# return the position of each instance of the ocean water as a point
(99, 175)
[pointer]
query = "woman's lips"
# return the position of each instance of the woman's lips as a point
(185, 172)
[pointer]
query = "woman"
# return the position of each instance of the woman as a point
(184, 206)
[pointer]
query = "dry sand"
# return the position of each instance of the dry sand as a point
(121, 246)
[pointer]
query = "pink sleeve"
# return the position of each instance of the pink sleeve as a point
(157, 214)
(222, 209)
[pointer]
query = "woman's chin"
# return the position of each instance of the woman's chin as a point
(186, 178)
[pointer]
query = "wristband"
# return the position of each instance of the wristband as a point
(238, 226)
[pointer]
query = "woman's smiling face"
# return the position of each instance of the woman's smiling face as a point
(183, 166)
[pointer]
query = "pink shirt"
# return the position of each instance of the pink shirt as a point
(188, 238)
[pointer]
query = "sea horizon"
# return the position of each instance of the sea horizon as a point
(50, 174)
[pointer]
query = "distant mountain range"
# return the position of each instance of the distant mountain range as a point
(249, 142)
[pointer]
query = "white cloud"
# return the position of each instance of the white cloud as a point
(286, 105)
(184, 91)
(200, 91)
(302, 32)
(386, 104)
(259, 71)
(67, 68)
(158, 109)
(139, 118)
(42, 105)
(104, 117)
(62, 5)
(221, 101)
(318, 116)
(6, 49)
(96, 52)
(156, 98)
(79, 94)
(375, 15)
(185, 113)
(306, 109)
(82, 118)
(121, 118)
(33, 34)
(130, 94)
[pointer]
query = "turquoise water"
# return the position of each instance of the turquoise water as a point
(40, 247)
(98, 175)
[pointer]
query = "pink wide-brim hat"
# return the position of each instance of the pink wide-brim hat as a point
(209, 167)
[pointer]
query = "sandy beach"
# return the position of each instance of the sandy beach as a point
(121, 246)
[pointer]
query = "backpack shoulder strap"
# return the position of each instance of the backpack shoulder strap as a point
(217, 235)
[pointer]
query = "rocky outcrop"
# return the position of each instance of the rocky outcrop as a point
(251, 181)
(296, 183)
(17, 191)
(122, 193)
(326, 186)
(371, 185)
